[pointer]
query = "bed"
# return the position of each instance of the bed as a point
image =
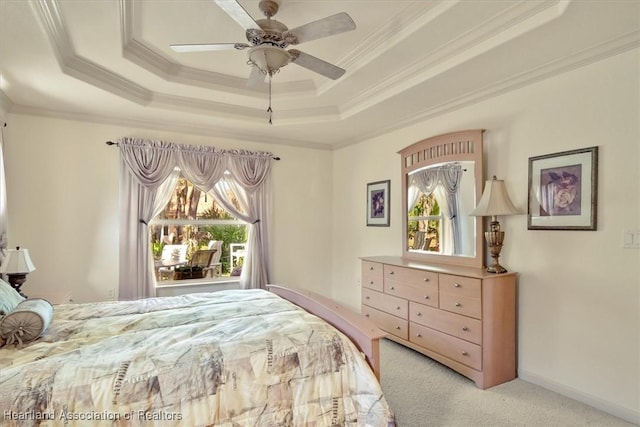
(228, 358)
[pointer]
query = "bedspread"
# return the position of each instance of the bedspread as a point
(229, 358)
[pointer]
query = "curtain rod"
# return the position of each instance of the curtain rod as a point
(115, 143)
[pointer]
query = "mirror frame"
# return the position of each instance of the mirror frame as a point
(450, 147)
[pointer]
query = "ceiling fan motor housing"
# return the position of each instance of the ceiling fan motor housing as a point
(270, 32)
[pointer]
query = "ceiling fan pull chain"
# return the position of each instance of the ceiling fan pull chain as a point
(269, 110)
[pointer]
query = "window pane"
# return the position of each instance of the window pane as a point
(425, 224)
(193, 218)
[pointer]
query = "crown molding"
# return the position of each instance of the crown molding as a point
(557, 67)
(174, 126)
(513, 22)
(82, 69)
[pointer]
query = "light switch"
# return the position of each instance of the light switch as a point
(631, 239)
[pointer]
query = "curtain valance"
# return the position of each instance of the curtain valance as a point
(151, 162)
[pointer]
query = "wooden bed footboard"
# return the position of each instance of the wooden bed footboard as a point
(364, 334)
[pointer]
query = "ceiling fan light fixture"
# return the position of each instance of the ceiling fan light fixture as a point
(268, 59)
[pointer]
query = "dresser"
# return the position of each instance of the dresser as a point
(462, 317)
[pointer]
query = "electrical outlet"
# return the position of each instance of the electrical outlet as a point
(111, 293)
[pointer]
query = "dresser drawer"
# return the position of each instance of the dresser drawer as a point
(410, 276)
(387, 303)
(388, 323)
(372, 275)
(454, 348)
(461, 295)
(425, 294)
(464, 327)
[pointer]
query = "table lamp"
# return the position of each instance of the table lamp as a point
(494, 201)
(16, 265)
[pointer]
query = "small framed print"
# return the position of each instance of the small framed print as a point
(563, 190)
(378, 203)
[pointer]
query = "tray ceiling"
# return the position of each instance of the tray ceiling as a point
(407, 61)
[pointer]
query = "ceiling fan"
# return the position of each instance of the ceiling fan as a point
(269, 38)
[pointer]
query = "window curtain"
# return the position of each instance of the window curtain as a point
(450, 177)
(144, 167)
(3, 203)
(445, 181)
(148, 176)
(249, 180)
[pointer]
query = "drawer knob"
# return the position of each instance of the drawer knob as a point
(371, 282)
(426, 297)
(464, 353)
(458, 304)
(371, 268)
(419, 335)
(367, 297)
(392, 272)
(398, 327)
(464, 328)
(366, 315)
(398, 307)
(419, 314)
(456, 285)
(393, 288)
(426, 279)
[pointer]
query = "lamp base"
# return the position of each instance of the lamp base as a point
(16, 281)
(494, 238)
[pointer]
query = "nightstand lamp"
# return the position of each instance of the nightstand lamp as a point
(495, 201)
(17, 264)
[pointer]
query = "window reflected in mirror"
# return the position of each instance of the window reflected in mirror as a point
(425, 224)
(439, 199)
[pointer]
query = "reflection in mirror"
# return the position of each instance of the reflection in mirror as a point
(438, 200)
(442, 180)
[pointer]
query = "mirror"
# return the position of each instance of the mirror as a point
(441, 183)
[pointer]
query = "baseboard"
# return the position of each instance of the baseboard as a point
(626, 414)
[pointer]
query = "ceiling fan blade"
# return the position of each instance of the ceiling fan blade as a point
(206, 47)
(316, 64)
(334, 24)
(256, 78)
(238, 13)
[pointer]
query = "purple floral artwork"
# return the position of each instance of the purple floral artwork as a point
(560, 190)
(377, 204)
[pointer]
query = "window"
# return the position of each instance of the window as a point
(425, 224)
(193, 218)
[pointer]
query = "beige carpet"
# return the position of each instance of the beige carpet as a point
(422, 392)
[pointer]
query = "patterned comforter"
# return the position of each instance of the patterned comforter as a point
(229, 358)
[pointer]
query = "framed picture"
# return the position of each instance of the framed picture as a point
(378, 203)
(563, 190)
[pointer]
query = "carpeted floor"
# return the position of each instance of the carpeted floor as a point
(422, 392)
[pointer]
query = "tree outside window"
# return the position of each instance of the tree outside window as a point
(192, 217)
(425, 224)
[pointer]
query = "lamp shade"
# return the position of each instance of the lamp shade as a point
(17, 261)
(495, 200)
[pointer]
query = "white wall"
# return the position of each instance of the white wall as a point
(579, 291)
(63, 205)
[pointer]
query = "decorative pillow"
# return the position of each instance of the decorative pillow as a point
(9, 298)
(27, 321)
